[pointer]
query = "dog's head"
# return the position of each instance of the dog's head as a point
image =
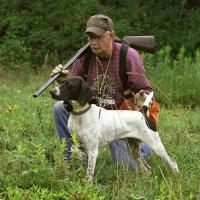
(73, 89)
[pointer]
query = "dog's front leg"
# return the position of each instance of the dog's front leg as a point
(92, 157)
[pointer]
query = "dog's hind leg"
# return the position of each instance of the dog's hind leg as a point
(134, 150)
(92, 157)
(153, 140)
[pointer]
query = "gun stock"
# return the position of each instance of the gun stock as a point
(143, 43)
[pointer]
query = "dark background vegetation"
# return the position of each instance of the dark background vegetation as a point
(38, 35)
(45, 31)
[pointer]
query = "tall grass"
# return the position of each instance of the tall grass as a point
(175, 80)
(31, 156)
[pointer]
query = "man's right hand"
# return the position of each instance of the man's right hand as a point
(59, 70)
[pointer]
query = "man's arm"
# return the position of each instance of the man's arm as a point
(137, 79)
(77, 69)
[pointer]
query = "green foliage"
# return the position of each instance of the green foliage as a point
(47, 32)
(13, 51)
(32, 164)
(176, 81)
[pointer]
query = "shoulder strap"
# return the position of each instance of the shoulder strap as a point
(122, 65)
(86, 64)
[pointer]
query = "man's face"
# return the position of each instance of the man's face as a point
(101, 45)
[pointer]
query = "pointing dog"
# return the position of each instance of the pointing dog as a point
(97, 126)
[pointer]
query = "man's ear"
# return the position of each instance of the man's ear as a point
(85, 94)
(112, 35)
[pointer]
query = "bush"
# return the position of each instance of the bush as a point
(13, 52)
(47, 32)
(176, 81)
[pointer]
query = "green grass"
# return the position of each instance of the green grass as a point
(31, 157)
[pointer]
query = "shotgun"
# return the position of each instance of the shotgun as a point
(67, 65)
(143, 43)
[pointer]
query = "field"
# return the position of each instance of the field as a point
(31, 156)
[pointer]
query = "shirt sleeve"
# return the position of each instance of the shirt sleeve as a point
(137, 79)
(77, 68)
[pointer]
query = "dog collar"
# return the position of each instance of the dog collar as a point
(79, 110)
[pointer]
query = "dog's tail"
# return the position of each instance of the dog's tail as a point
(148, 99)
(150, 123)
(147, 103)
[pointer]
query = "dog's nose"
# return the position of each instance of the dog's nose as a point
(54, 93)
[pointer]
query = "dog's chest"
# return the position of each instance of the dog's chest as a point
(82, 123)
(77, 122)
(86, 129)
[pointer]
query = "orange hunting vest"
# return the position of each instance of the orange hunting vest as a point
(153, 112)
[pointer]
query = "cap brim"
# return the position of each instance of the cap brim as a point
(96, 30)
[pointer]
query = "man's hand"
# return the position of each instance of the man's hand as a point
(59, 70)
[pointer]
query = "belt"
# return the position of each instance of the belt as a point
(107, 101)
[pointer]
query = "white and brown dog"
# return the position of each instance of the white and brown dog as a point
(97, 126)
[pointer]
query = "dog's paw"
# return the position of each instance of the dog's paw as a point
(175, 167)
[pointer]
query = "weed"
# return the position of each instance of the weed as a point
(32, 164)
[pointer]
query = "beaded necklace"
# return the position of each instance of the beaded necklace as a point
(100, 88)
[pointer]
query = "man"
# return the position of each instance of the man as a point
(103, 77)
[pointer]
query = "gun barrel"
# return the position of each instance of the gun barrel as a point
(45, 85)
(66, 66)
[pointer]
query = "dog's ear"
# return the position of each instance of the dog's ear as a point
(85, 94)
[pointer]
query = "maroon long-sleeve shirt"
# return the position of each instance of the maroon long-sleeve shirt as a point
(112, 87)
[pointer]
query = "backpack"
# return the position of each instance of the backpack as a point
(127, 103)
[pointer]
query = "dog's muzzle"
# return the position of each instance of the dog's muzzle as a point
(55, 93)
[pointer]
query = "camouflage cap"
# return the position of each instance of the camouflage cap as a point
(99, 24)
